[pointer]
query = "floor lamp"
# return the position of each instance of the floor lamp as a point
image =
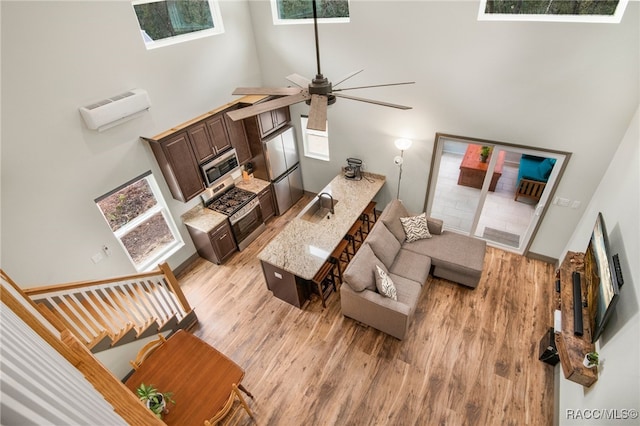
(402, 145)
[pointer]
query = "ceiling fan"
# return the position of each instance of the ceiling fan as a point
(318, 93)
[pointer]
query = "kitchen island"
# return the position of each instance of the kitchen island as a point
(293, 257)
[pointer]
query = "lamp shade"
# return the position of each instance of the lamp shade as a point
(402, 144)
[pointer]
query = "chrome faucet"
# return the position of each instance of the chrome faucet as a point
(330, 196)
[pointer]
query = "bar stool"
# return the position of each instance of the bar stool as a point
(365, 217)
(336, 256)
(325, 281)
(354, 235)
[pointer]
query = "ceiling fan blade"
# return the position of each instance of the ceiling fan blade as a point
(371, 101)
(261, 107)
(276, 91)
(318, 113)
(348, 76)
(299, 80)
(374, 85)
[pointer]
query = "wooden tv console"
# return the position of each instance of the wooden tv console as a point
(572, 348)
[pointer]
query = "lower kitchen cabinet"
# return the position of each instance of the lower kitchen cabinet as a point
(267, 205)
(216, 245)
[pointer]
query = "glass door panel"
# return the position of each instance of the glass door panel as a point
(503, 221)
(455, 200)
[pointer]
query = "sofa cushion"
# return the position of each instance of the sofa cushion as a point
(384, 245)
(435, 225)
(360, 272)
(408, 291)
(453, 251)
(411, 265)
(385, 284)
(391, 217)
(415, 227)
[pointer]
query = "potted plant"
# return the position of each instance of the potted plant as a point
(156, 401)
(485, 151)
(591, 359)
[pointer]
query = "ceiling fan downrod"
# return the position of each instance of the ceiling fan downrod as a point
(320, 85)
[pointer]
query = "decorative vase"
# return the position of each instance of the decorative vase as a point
(154, 407)
(588, 363)
(483, 158)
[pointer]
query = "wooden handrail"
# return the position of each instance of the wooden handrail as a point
(31, 291)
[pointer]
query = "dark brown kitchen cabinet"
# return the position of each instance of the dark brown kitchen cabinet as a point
(216, 245)
(238, 136)
(266, 203)
(178, 165)
(209, 137)
(270, 121)
(218, 133)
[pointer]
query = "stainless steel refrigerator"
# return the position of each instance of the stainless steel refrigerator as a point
(283, 168)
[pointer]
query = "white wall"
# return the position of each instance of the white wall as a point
(570, 87)
(58, 56)
(618, 198)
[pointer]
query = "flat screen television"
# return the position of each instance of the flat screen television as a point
(603, 288)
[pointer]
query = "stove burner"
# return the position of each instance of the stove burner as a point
(231, 201)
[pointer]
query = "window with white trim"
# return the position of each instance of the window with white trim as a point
(167, 22)
(139, 218)
(301, 11)
(314, 142)
(588, 11)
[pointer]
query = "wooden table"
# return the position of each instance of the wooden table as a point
(473, 171)
(199, 376)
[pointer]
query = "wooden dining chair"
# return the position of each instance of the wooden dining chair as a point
(147, 350)
(224, 411)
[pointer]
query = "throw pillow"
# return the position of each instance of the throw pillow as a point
(415, 227)
(544, 168)
(385, 285)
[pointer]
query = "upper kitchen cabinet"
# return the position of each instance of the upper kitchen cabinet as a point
(179, 165)
(270, 121)
(209, 137)
(238, 136)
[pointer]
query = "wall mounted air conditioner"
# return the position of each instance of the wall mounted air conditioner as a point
(112, 111)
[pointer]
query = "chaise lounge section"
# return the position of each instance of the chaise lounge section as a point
(447, 255)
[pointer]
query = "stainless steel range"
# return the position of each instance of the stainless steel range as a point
(241, 206)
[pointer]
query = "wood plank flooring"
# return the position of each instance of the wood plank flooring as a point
(471, 357)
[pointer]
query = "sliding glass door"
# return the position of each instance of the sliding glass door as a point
(476, 189)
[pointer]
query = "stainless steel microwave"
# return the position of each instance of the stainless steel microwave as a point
(219, 167)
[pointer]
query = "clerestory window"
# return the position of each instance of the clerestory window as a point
(167, 22)
(301, 11)
(140, 220)
(603, 11)
(315, 143)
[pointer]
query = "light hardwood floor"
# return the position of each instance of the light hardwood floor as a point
(471, 357)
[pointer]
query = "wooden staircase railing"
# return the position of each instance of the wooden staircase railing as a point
(106, 313)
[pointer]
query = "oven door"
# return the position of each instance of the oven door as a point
(247, 225)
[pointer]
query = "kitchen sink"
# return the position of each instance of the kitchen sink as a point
(318, 210)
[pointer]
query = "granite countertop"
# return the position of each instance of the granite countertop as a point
(205, 220)
(302, 247)
(253, 185)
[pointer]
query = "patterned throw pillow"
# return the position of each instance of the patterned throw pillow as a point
(415, 227)
(385, 285)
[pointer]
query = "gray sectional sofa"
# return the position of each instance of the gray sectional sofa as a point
(445, 254)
